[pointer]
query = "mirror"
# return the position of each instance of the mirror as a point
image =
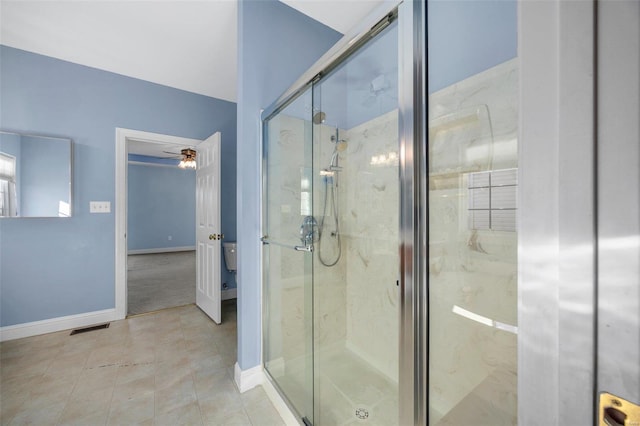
(35, 176)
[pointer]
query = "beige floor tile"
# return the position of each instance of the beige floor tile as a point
(95, 378)
(23, 366)
(132, 412)
(203, 365)
(88, 409)
(168, 375)
(133, 389)
(51, 390)
(188, 414)
(236, 418)
(173, 367)
(66, 365)
(215, 409)
(130, 371)
(253, 396)
(105, 355)
(9, 407)
(41, 416)
(263, 413)
(177, 395)
(208, 384)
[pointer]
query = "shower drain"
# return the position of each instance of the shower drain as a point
(362, 413)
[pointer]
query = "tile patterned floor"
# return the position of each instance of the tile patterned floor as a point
(173, 367)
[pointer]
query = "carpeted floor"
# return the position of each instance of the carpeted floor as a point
(160, 280)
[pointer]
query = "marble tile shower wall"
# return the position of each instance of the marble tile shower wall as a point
(370, 217)
(355, 301)
(330, 290)
(473, 128)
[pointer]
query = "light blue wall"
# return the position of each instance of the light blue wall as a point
(162, 204)
(466, 37)
(184, 210)
(153, 160)
(56, 267)
(45, 175)
(276, 44)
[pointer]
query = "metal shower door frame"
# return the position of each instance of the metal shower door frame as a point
(413, 200)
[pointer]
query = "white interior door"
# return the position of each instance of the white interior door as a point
(208, 233)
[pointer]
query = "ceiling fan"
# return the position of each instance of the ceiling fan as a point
(187, 156)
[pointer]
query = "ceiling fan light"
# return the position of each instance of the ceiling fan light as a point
(188, 159)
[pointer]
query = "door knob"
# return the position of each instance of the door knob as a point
(616, 411)
(213, 237)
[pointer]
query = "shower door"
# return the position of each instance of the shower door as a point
(356, 201)
(288, 263)
(332, 240)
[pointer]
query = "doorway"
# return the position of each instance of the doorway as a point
(159, 268)
(161, 262)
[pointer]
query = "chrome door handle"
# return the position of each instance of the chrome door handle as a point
(308, 248)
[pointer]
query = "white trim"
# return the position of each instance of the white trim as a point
(556, 257)
(122, 159)
(280, 405)
(162, 250)
(248, 379)
(35, 328)
(230, 293)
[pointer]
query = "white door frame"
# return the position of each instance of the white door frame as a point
(122, 138)
(578, 240)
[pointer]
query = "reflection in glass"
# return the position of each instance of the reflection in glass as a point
(35, 176)
(472, 151)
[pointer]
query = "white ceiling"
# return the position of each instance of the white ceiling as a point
(186, 44)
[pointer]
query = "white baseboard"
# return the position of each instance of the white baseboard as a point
(279, 403)
(247, 379)
(162, 250)
(230, 293)
(35, 328)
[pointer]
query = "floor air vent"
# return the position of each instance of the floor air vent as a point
(87, 329)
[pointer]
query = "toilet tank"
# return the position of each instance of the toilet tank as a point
(230, 255)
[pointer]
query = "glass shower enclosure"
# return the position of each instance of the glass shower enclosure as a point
(331, 221)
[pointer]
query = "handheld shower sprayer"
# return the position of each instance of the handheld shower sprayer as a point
(331, 185)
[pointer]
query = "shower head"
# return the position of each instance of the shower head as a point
(319, 117)
(341, 144)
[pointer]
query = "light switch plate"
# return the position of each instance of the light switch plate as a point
(99, 206)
